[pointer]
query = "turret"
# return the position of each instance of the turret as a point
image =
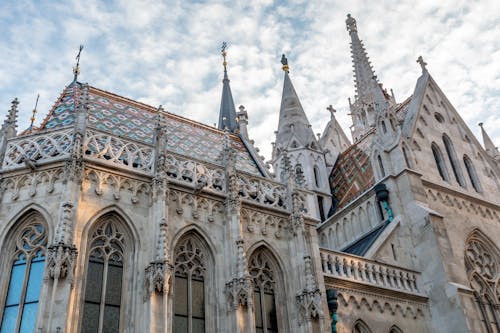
(227, 114)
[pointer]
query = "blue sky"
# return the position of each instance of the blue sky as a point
(168, 52)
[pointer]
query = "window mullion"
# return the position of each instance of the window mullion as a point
(263, 309)
(190, 303)
(103, 295)
(23, 293)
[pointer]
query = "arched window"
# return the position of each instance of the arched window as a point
(438, 157)
(189, 284)
(395, 329)
(381, 166)
(452, 156)
(27, 257)
(471, 171)
(316, 176)
(263, 274)
(103, 287)
(361, 327)
(482, 259)
(407, 160)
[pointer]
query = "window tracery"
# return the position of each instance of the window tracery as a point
(26, 275)
(260, 269)
(482, 260)
(103, 292)
(189, 286)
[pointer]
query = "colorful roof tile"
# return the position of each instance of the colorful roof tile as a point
(351, 175)
(136, 121)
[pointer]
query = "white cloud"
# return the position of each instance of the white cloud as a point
(167, 53)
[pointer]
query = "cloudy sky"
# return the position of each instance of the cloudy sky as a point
(168, 52)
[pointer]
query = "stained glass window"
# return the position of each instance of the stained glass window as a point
(260, 269)
(189, 287)
(103, 291)
(26, 275)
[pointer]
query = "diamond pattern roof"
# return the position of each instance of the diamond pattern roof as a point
(136, 121)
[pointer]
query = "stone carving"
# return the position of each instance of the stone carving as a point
(159, 277)
(239, 292)
(117, 184)
(47, 178)
(73, 168)
(119, 152)
(47, 147)
(267, 225)
(309, 300)
(61, 261)
(197, 207)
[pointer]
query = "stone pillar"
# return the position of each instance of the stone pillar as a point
(62, 253)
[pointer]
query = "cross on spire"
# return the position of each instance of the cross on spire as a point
(332, 110)
(422, 63)
(284, 62)
(32, 119)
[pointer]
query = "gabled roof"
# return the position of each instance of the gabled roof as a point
(136, 121)
(362, 245)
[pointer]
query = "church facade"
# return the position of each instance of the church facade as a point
(117, 216)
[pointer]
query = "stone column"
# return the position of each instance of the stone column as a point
(61, 254)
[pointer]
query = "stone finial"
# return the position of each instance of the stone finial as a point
(422, 63)
(351, 24)
(10, 124)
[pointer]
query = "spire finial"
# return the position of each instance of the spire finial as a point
(422, 63)
(224, 54)
(10, 124)
(284, 62)
(76, 69)
(351, 24)
(332, 111)
(32, 119)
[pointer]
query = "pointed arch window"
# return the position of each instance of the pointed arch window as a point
(482, 259)
(317, 178)
(361, 327)
(438, 157)
(471, 171)
(452, 156)
(381, 166)
(189, 285)
(26, 273)
(104, 281)
(261, 270)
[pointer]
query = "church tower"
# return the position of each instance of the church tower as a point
(296, 147)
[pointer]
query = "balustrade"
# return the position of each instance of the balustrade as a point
(353, 268)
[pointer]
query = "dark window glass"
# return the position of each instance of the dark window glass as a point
(381, 165)
(453, 160)
(181, 296)
(439, 162)
(471, 171)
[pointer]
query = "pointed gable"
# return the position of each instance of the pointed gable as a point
(334, 140)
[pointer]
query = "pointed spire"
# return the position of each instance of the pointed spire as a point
(10, 124)
(76, 69)
(293, 123)
(227, 114)
(489, 146)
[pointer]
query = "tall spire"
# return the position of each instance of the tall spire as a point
(227, 114)
(10, 124)
(294, 129)
(369, 98)
(489, 146)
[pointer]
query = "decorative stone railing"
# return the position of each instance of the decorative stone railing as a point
(197, 174)
(38, 148)
(361, 270)
(117, 151)
(262, 191)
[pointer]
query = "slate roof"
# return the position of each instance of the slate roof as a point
(362, 245)
(134, 120)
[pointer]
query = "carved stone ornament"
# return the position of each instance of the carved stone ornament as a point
(158, 277)
(309, 305)
(73, 169)
(61, 261)
(239, 292)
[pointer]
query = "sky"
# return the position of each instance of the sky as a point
(168, 53)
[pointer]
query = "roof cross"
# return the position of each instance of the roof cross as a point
(422, 63)
(332, 110)
(76, 69)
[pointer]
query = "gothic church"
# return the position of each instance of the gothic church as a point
(117, 216)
